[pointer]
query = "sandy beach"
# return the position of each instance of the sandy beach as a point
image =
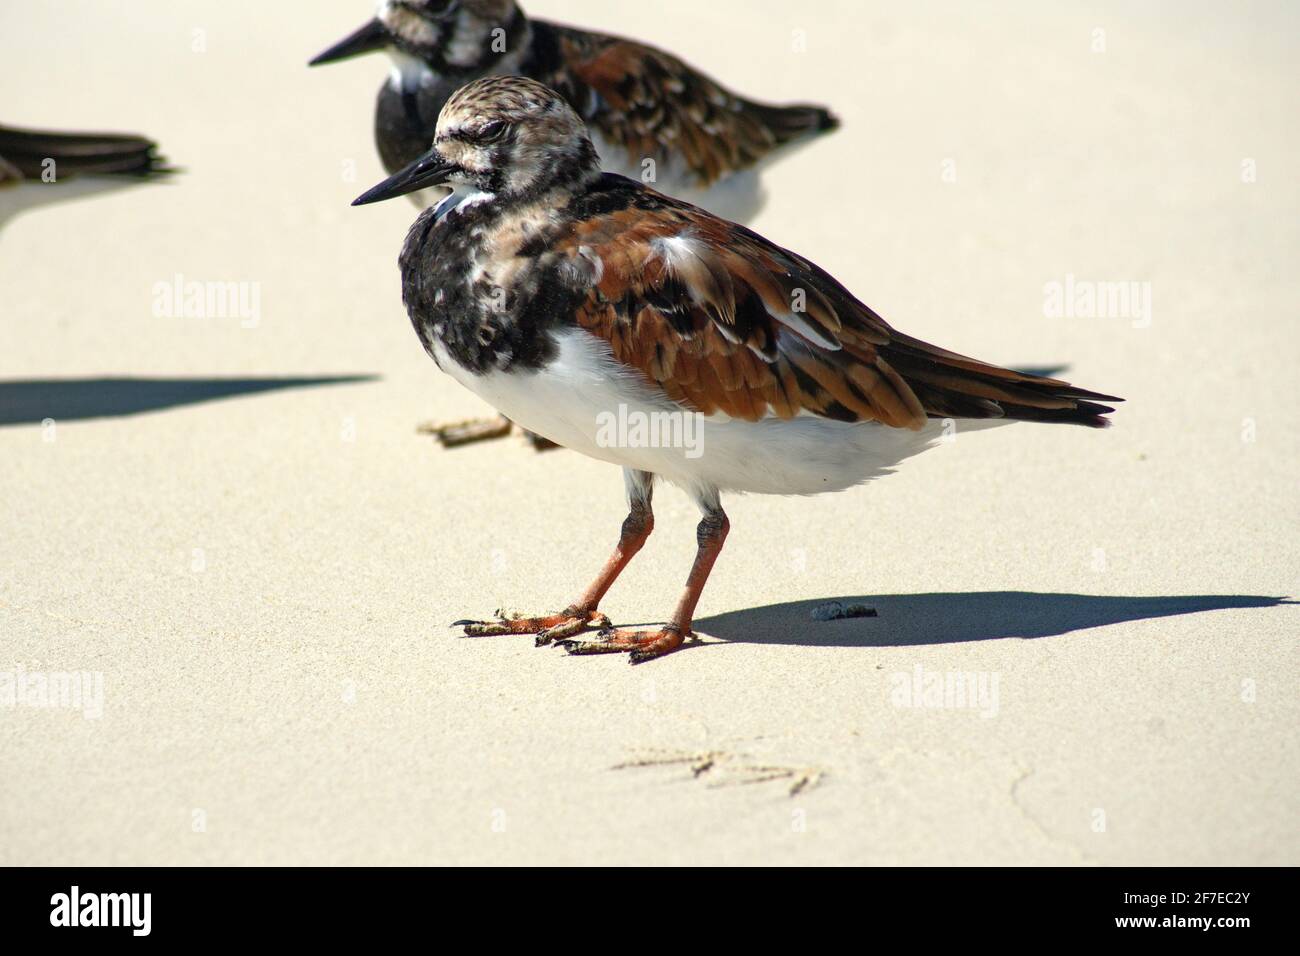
(1086, 644)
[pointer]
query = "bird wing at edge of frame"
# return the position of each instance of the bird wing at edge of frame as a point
(74, 154)
(9, 173)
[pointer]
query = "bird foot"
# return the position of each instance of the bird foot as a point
(467, 431)
(471, 430)
(538, 442)
(548, 628)
(641, 646)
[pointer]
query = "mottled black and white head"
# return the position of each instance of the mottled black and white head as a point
(442, 37)
(507, 137)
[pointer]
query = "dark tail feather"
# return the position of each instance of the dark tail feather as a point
(77, 154)
(1090, 414)
(954, 386)
(789, 123)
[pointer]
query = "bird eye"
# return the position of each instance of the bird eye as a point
(490, 131)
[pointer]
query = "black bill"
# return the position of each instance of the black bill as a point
(371, 37)
(429, 170)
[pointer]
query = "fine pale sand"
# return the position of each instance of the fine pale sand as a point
(263, 570)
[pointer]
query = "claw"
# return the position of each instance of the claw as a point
(485, 629)
(452, 434)
(563, 629)
(640, 646)
(566, 623)
(590, 647)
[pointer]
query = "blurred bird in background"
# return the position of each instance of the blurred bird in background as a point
(651, 116)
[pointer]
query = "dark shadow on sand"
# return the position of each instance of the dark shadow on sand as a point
(946, 618)
(1045, 371)
(28, 401)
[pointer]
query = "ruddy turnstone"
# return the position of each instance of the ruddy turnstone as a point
(568, 298)
(650, 114)
(40, 166)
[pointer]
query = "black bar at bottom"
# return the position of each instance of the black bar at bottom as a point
(338, 906)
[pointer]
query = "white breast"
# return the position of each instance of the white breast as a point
(408, 73)
(576, 398)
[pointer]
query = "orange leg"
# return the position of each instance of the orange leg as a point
(581, 615)
(646, 645)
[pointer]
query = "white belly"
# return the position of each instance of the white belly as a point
(585, 401)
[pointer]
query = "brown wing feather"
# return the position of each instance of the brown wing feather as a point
(655, 106)
(724, 321)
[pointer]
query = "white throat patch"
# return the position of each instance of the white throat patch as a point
(461, 198)
(408, 73)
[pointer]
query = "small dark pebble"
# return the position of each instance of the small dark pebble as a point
(834, 611)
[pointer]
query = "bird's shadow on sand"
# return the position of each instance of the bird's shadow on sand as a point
(29, 401)
(909, 620)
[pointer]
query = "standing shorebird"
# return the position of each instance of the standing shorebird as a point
(652, 117)
(567, 298)
(38, 167)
